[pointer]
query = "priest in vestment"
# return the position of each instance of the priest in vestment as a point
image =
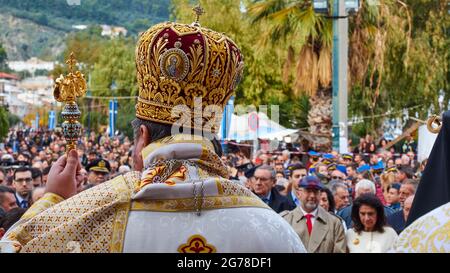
(178, 199)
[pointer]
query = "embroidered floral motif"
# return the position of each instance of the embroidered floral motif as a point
(197, 244)
(167, 171)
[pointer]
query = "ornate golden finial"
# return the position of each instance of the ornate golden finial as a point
(68, 89)
(199, 11)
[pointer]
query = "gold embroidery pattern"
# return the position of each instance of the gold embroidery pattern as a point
(122, 211)
(212, 163)
(82, 223)
(166, 171)
(188, 204)
(177, 139)
(197, 244)
(431, 234)
(230, 188)
(47, 201)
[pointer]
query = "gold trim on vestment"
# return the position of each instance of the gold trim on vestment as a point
(188, 204)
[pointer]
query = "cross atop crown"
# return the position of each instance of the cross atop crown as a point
(199, 11)
(71, 61)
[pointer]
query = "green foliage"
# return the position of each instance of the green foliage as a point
(87, 45)
(262, 81)
(60, 15)
(3, 57)
(4, 123)
(398, 53)
(13, 119)
(415, 75)
(116, 64)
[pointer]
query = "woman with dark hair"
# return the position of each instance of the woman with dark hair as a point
(383, 142)
(370, 232)
(327, 200)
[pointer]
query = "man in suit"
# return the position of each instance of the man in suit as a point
(398, 220)
(362, 187)
(7, 200)
(264, 186)
(296, 173)
(23, 184)
(319, 231)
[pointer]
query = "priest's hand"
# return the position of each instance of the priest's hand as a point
(64, 177)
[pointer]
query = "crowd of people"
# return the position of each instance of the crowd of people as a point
(27, 155)
(355, 202)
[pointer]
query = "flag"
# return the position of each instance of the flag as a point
(51, 120)
(37, 122)
(226, 118)
(112, 117)
(434, 187)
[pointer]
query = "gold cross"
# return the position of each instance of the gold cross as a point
(199, 11)
(71, 61)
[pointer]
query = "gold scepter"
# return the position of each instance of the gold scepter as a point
(68, 89)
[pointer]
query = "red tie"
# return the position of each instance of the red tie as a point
(309, 222)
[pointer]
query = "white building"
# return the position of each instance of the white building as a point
(24, 96)
(37, 91)
(113, 31)
(107, 30)
(79, 27)
(31, 65)
(9, 91)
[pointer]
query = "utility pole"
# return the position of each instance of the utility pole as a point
(340, 63)
(89, 98)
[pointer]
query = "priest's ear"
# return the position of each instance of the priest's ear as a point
(144, 132)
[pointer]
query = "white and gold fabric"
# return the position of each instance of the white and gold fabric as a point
(428, 234)
(180, 203)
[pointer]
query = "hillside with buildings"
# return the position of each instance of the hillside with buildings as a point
(34, 35)
(30, 28)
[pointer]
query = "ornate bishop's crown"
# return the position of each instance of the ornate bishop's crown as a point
(177, 63)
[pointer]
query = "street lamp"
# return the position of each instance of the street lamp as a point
(341, 9)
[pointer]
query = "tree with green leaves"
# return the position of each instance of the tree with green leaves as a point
(4, 123)
(262, 82)
(308, 62)
(116, 65)
(3, 58)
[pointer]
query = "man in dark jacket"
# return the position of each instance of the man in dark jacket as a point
(364, 186)
(398, 220)
(264, 186)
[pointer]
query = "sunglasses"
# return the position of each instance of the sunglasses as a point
(337, 177)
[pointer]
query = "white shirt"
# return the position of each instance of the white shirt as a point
(314, 214)
(20, 199)
(371, 242)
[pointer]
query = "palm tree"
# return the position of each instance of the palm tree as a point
(310, 34)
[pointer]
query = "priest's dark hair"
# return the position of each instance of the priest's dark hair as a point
(370, 200)
(158, 131)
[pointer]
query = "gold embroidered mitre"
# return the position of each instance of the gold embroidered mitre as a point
(177, 63)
